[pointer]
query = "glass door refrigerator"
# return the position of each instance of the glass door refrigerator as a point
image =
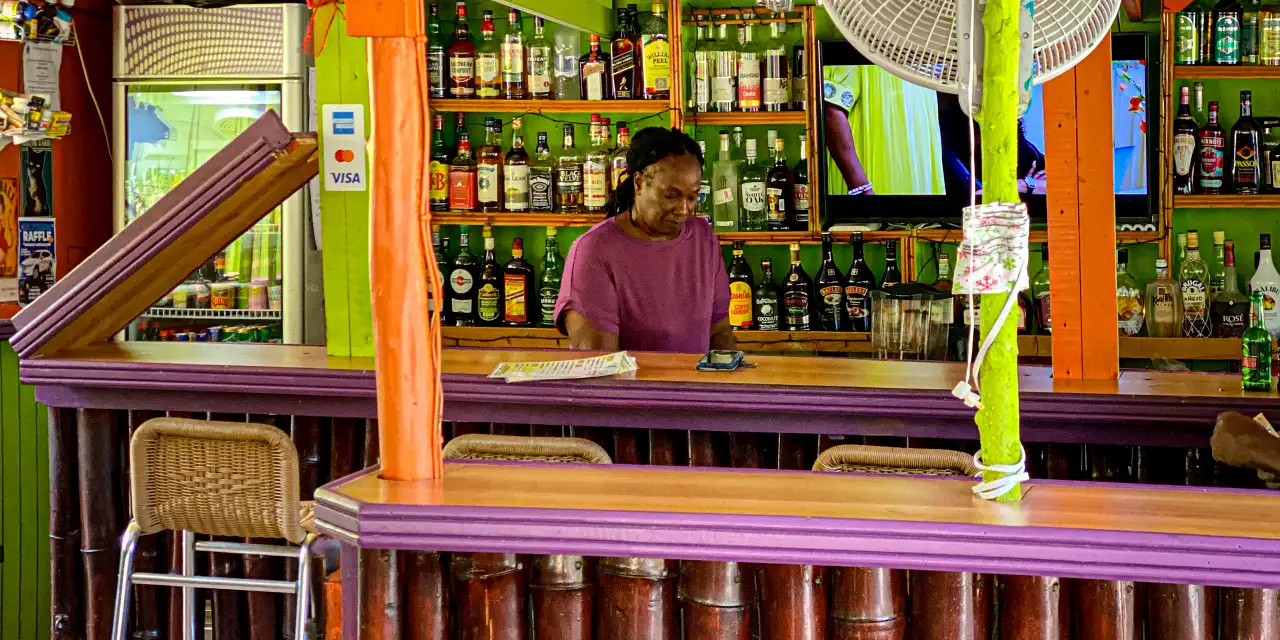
(187, 81)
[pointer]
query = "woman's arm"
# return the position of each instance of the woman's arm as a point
(840, 145)
(722, 336)
(584, 336)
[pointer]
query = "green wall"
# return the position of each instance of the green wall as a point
(24, 506)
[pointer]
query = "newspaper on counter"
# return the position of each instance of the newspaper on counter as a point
(597, 367)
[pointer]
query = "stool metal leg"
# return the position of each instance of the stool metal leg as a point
(304, 588)
(189, 618)
(124, 585)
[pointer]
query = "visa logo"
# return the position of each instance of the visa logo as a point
(345, 178)
(344, 123)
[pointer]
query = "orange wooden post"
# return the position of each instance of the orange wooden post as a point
(1082, 233)
(406, 335)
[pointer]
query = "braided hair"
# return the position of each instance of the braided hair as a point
(650, 146)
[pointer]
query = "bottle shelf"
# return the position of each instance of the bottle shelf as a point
(517, 219)
(1266, 201)
(549, 106)
(1037, 235)
(748, 118)
(766, 237)
(1210, 72)
(212, 314)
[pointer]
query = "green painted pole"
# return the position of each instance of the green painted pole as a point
(998, 420)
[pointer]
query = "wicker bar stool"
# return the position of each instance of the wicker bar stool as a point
(871, 603)
(491, 586)
(221, 479)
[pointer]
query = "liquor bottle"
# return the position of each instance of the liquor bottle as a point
(780, 191)
(623, 52)
(595, 171)
(516, 171)
(1197, 108)
(462, 178)
(1131, 308)
(489, 168)
(542, 178)
(442, 258)
(1040, 291)
(462, 58)
(1226, 33)
(596, 74)
(462, 280)
(1189, 34)
(799, 80)
(1164, 304)
(944, 284)
(549, 284)
(1267, 281)
(830, 285)
(1229, 311)
(618, 160)
(800, 202)
(1217, 266)
(776, 95)
(1182, 251)
(517, 282)
(568, 83)
(1246, 170)
(796, 294)
(750, 77)
(1184, 146)
(771, 140)
(892, 276)
(1211, 142)
(857, 289)
(724, 189)
(1194, 281)
(437, 56)
(569, 176)
(438, 194)
(724, 69)
(656, 51)
(704, 188)
(741, 291)
(1249, 36)
(1271, 153)
(738, 149)
(513, 56)
(700, 69)
(489, 287)
(1255, 360)
(488, 61)
(768, 300)
(754, 198)
(539, 62)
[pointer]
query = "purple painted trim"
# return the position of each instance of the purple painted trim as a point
(6, 329)
(349, 564)
(1028, 550)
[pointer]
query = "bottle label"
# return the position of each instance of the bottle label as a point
(462, 190)
(1046, 313)
(704, 193)
(797, 306)
(766, 314)
(657, 64)
(593, 79)
(487, 183)
(1226, 43)
(540, 71)
(740, 305)
(777, 91)
(832, 297)
(513, 63)
(461, 281)
(435, 68)
(595, 186)
(540, 197)
(753, 196)
(856, 303)
(624, 65)
(569, 179)
(1255, 365)
(1274, 169)
(515, 293)
(722, 196)
(1184, 151)
(701, 74)
(1246, 167)
(1129, 311)
(439, 182)
(777, 207)
(517, 187)
(1195, 312)
(1211, 160)
(548, 296)
(462, 71)
(487, 68)
(799, 90)
(488, 298)
(749, 83)
(722, 89)
(1163, 305)
(802, 201)
(1232, 322)
(1270, 317)
(618, 171)
(1188, 38)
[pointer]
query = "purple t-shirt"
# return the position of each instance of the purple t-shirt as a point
(655, 296)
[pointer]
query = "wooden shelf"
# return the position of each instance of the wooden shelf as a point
(766, 237)
(1181, 348)
(1208, 72)
(1227, 202)
(517, 219)
(549, 106)
(749, 118)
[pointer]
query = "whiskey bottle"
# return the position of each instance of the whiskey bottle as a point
(892, 276)
(1246, 168)
(1194, 284)
(623, 52)
(723, 52)
(516, 171)
(796, 294)
(768, 300)
(618, 160)
(595, 171)
(596, 72)
(438, 194)
(489, 168)
(542, 178)
(462, 280)
(858, 287)
(488, 61)
(749, 71)
(462, 178)
(1229, 311)
(1131, 307)
(569, 176)
(1255, 361)
(462, 58)
(741, 291)
(539, 57)
(800, 202)
(489, 292)
(1267, 280)
(1184, 146)
(1164, 304)
(754, 194)
(724, 189)
(1211, 142)
(656, 51)
(517, 282)
(549, 284)
(777, 70)
(437, 56)
(780, 191)
(513, 55)
(830, 285)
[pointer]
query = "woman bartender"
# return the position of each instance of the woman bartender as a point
(651, 277)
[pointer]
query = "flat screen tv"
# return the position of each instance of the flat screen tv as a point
(911, 144)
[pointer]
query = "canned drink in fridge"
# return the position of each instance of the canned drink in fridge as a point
(214, 334)
(258, 296)
(275, 294)
(181, 293)
(222, 295)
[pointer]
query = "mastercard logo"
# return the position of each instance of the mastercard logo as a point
(344, 155)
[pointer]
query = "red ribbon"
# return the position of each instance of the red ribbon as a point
(309, 41)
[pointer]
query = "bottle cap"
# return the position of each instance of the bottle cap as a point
(1123, 256)
(517, 245)
(551, 232)
(1161, 263)
(1219, 237)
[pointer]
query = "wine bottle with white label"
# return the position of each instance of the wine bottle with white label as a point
(724, 189)
(1267, 280)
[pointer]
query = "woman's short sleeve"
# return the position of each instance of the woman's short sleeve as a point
(588, 288)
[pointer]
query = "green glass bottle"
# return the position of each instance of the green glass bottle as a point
(1255, 361)
(549, 286)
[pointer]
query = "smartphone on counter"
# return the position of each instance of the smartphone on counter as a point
(719, 360)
